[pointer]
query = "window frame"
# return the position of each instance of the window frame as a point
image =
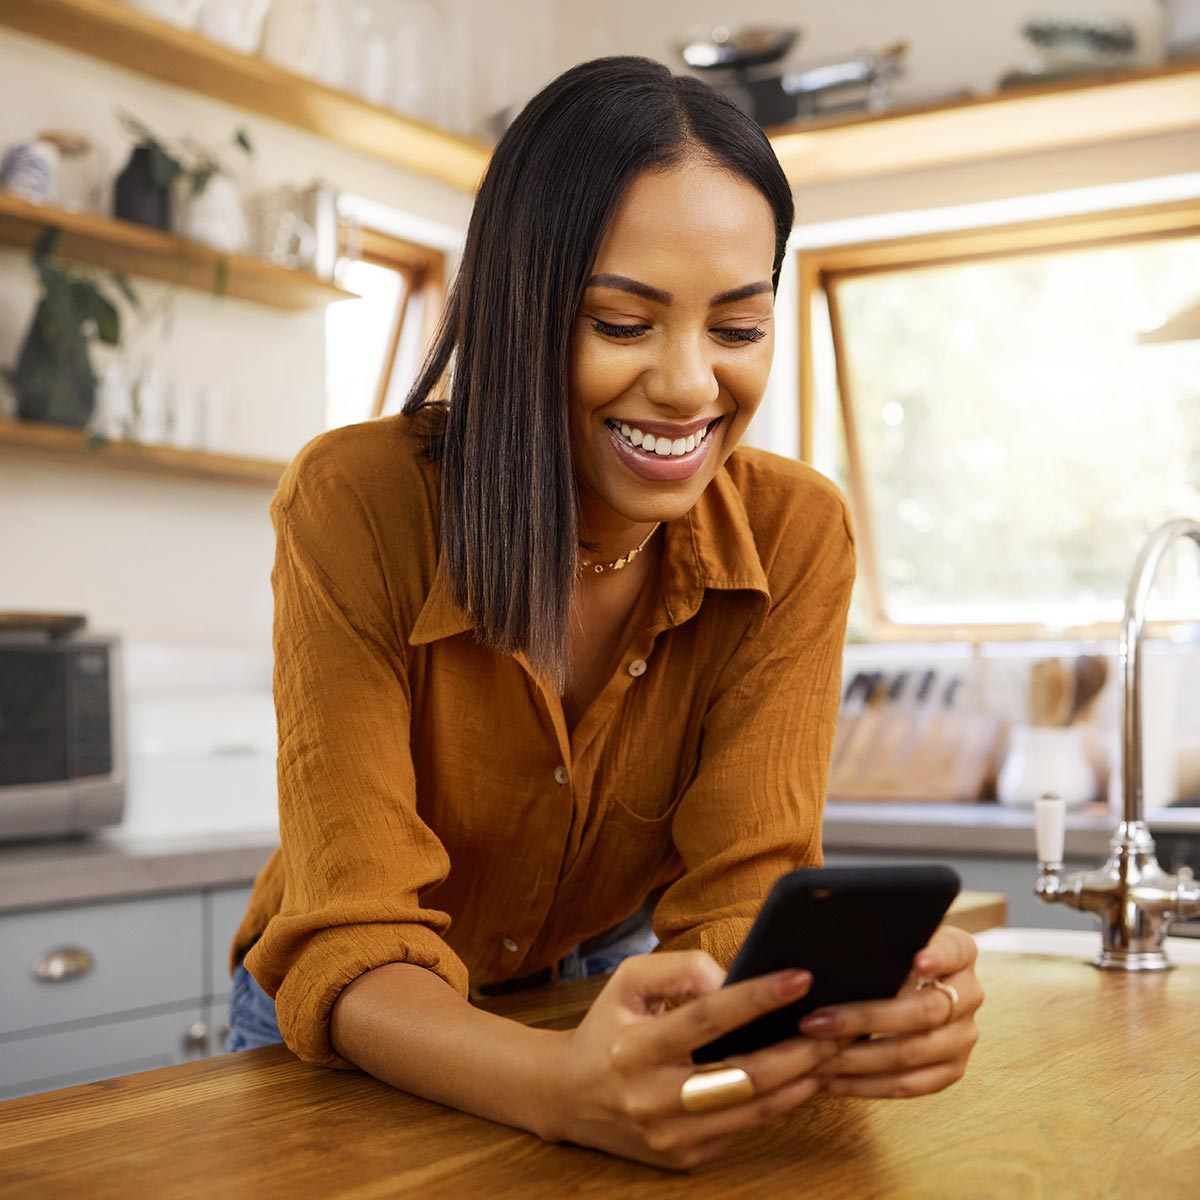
(819, 271)
(424, 272)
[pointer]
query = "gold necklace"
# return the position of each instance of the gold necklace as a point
(624, 560)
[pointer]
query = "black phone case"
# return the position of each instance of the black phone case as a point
(857, 929)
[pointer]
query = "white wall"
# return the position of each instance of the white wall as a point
(179, 561)
(151, 558)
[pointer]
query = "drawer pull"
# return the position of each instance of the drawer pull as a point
(196, 1037)
(67, 962)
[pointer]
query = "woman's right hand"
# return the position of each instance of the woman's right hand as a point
(619, 1074)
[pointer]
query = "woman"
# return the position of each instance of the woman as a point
(554, 655)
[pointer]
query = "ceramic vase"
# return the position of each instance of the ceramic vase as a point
(1046, 760)
(136, 195)
(54, 380)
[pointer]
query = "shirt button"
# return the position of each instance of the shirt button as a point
(510, 945)
(560, 774)
(637, 667)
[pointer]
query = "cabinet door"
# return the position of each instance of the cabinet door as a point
(97, 960)
(44, 1062)
(216, 1019)
(227, 906)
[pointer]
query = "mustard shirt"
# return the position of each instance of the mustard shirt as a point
(433, 807)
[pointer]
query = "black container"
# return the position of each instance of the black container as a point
(54, 380)
(136, 195)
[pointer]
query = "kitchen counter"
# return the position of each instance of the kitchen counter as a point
(994, 829)
(1084, 1083)
(112, 864)
(118, 862)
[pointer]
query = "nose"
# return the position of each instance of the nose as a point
(683, 380)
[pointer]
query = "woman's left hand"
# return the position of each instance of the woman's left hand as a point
(920, 1040)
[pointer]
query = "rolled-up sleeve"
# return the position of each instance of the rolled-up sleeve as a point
(356, 855)
(753, 809)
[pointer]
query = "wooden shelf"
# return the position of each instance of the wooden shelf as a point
(128, 38)
(1030, 120)
(153, 254)
(60, 443)
(1021, 121)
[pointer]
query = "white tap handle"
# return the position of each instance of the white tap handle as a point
(1050, 824)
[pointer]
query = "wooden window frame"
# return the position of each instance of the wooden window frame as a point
(819, 272)
(423, 270)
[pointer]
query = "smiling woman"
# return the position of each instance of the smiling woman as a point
(557, 664)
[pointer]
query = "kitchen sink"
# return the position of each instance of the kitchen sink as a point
(1072, 943)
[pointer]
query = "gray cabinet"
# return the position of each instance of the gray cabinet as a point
(96, 990)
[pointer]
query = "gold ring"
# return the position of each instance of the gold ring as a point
(718, 1085)
(947, 989)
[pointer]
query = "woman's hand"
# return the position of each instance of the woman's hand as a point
(920, 1041)
(620, 1072)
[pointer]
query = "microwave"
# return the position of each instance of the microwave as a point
(62, 768)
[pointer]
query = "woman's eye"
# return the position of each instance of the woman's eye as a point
(618, 331)
(742, 335)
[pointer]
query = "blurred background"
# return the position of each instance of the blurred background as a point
(228, 225)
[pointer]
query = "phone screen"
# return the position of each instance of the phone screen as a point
(857, 929)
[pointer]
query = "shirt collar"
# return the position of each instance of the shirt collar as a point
(712, 546)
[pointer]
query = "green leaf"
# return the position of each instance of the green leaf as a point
(221, 277)
(242, 138)
(48, 243)
(201, 175)
(108, 321)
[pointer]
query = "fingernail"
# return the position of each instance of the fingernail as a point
(792, 983)
(820, 1022)
(926, 963)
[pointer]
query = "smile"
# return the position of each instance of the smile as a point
(657, 457)
(661, 447)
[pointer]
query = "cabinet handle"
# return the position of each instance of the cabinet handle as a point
(196, 1037)
(67, 962)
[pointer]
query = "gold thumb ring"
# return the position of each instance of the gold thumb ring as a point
(717, 1086)
(947, 989)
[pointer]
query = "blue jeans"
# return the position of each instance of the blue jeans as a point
(252, 1012)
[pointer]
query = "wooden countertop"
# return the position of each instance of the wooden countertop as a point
(1084, 1083)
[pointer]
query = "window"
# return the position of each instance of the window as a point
(1020, 408)
(375, 344)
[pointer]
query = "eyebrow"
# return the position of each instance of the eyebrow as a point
(624, 284)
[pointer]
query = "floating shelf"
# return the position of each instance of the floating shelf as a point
(128, 38)
(153, 254)
(1029, 120)
(59, 443)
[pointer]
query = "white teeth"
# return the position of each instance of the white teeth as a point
(661, 446)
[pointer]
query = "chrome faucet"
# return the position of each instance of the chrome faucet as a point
(1135, 899)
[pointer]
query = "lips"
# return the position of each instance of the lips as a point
(659, 468)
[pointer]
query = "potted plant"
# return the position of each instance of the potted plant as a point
(160, 178)
(53, 379)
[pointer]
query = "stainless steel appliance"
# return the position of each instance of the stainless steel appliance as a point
(62, 767)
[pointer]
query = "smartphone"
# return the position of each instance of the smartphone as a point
(857, 929)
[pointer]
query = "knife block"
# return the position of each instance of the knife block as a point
(905, 754)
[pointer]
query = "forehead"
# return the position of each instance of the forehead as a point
(693, 218)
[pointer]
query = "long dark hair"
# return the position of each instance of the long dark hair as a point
(508, 509)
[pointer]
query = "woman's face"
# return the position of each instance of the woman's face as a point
(672, 344)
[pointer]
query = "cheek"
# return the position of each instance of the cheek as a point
(600, 374)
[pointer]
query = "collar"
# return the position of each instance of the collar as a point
(712, 546)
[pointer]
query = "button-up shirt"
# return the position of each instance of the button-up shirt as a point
(434, 807)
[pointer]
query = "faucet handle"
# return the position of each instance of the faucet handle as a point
(1050, 824)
